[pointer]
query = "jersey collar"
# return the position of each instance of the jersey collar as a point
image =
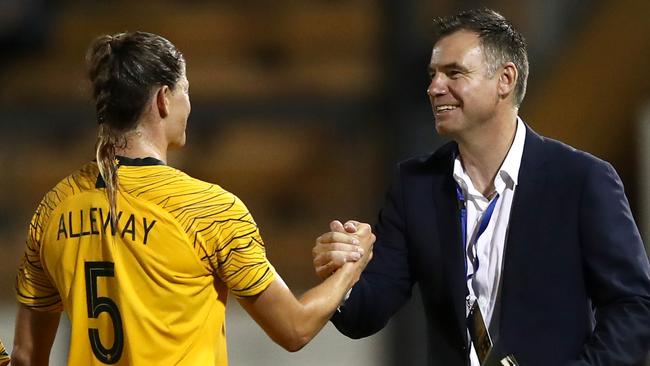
(124, 161)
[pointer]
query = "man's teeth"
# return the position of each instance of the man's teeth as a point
(442, 108)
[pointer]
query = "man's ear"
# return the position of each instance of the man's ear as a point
(162, 101)
(507, 79)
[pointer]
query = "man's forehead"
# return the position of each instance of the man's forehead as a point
(456, 47)
(459, 35)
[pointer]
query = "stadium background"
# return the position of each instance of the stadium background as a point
(301, 107)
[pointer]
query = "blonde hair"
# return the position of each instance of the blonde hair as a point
(107, 141)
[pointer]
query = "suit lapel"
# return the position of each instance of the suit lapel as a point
(448, 221)
(523, 216)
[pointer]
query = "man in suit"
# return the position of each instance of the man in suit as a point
(501, 227)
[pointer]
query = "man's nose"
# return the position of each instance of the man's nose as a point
(437, 86)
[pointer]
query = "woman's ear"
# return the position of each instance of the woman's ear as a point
(162, 101)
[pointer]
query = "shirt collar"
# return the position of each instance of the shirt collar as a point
(509, 171)
(508, 174)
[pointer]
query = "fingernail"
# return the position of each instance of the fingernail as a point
(360, 251)
(356, 255)
(356, 242)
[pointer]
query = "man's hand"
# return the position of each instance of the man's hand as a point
(351, 242)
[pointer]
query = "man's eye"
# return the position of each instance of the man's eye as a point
(454, 74)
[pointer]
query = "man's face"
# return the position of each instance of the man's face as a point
(462, 93)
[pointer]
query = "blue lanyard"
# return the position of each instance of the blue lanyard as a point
(485, 220)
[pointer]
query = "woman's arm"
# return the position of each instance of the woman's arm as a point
(292, 322)
(34, 336)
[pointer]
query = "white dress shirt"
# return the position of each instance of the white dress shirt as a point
(490, 246)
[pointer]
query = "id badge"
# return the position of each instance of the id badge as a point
(509, 361)
(478, 332)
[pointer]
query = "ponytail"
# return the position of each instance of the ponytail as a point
(107, 141)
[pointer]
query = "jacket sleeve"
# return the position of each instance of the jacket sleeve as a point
(617, 273)
(385, 285)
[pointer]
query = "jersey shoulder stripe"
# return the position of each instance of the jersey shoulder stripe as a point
(218, 225)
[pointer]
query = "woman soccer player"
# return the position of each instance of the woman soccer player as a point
(140, 255)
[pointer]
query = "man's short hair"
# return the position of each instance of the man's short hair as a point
(500, 41)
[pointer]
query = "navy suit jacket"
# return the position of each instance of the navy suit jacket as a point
(575, 283)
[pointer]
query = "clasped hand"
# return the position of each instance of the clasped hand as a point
(343, 244)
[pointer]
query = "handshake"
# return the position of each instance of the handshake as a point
(348, 244)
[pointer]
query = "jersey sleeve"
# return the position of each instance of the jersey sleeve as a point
(34, 288)
(4, 357)
(236, 251)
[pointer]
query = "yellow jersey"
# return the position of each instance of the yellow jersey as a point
(151, 289)
(4, 357)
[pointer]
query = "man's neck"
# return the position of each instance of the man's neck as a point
(483, 153)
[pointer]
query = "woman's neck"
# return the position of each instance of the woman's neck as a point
(141, 144)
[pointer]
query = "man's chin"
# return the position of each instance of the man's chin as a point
(443, 129)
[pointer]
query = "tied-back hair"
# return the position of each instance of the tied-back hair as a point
(500, 41)
(125, 69)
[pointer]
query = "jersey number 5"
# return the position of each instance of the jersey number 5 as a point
(99, 304)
